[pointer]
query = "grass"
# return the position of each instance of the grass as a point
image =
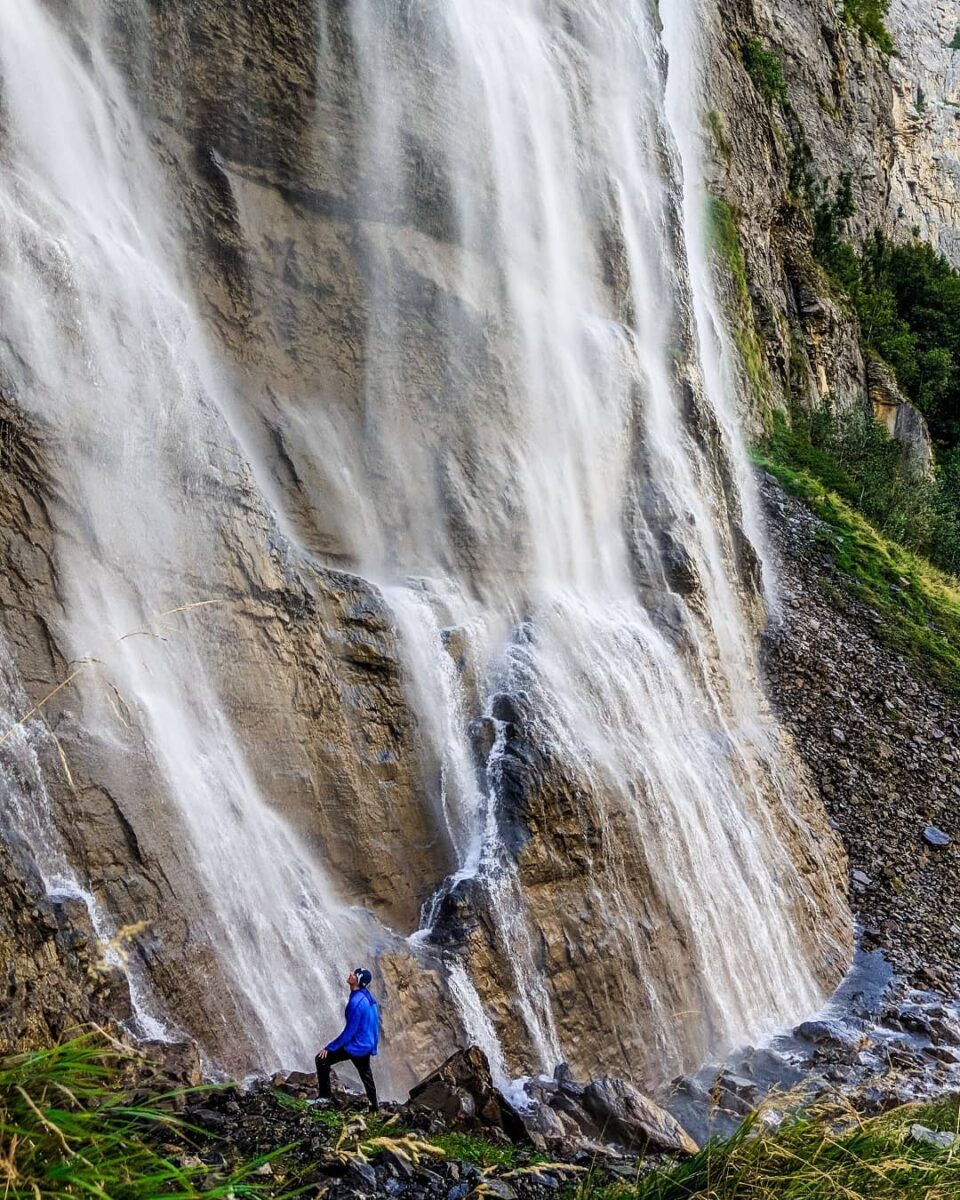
(827, 1152)
(473, 1149)
(68, 1129)
(920, 605)
(465, 1147)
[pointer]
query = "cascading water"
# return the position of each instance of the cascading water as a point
(541, 474)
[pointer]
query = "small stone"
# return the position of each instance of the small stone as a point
(361, 1175)
(398, 1165)
(499, 1188)
(265, 1170)
(935, 837)
(931, 1137)
(862, 878)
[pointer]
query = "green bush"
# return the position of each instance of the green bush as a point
(766, 71)
(855, 458)
(907, 298)
(869, 16)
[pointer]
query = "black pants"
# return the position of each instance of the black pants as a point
(360, 1061)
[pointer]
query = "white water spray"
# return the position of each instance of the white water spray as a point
(540, 353)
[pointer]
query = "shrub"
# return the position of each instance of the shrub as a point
(766, 71)
(869, 17)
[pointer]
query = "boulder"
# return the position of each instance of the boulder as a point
(463, 1092)
(625, 1114)
(544, 1127)
(299, 1083)
(565, 1081)
(830, 1034)
(178, 1062)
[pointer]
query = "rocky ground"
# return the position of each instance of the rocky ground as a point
(882, 743)
(455, 1136)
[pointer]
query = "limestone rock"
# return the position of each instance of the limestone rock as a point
(626, 1115)
(902, 420)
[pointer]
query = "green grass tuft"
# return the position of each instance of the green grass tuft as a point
(474, 1149)
(68, 1129)
(765, 69)
(823, 1153)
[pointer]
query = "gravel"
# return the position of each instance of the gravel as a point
(882, 744)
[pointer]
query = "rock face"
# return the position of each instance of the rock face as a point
(52, 971)
(925, 182)
(848, 110)
(902, 420)
(295, 725)
(290, 236)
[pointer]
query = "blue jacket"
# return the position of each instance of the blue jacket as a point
(361, 1033)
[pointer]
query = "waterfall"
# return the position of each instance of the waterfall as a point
(539, 473)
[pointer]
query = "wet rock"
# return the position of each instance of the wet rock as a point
(624, 1113)
(828, 1033)
(566, 1082)
(543, 1125)
(179, 1062)
(737, 1085)
(462, 1091)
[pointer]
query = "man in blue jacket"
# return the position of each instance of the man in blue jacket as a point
(357, 1041)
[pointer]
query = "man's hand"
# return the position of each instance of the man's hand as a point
(321, 1054)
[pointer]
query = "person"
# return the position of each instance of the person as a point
(357, 1042)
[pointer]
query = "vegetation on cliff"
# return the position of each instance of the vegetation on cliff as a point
(907, 301)
(854, 457)
(869, 16)
(920, 604)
